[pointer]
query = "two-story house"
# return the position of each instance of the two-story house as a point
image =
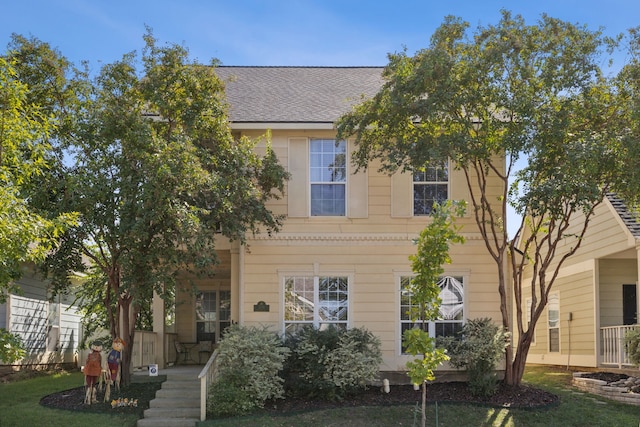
(342, 255)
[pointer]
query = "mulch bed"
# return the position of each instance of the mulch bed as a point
(449, 392)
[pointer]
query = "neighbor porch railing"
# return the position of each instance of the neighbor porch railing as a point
(207, 375)
(144, 349)
(612, 348)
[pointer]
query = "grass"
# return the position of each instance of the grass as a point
(19, 407)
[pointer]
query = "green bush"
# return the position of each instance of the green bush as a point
(632, 343)
(478, 350)
(249, 360)
(11, 347)
(331, 363)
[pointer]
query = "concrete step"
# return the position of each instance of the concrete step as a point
(173, 393)
(181, 384)
(166, 413)
(175, 403)
(173, 422)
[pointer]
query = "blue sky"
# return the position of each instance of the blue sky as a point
(278, 32)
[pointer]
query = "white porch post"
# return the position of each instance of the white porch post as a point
(159, 328)
(235, 282)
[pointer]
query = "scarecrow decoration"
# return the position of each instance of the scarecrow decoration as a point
(114, 360)
(92, 371)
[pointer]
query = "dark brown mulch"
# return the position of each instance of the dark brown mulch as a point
(449, 392)
(73, 399)
(609, 377)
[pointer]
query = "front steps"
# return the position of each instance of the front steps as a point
(177, 403)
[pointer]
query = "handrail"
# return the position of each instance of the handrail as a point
(206, 377)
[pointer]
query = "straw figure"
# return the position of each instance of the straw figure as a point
(92, 371)
(114, 360)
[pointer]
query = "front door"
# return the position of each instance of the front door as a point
(213, 314)
(629, 305)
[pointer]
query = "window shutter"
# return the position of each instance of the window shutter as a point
(298, 185)
(358, 184)
(402, 194)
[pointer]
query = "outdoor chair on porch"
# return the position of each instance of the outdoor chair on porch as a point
(181, 350)
(205, 347)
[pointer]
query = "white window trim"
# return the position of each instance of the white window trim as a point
(398, 275)
(282, 277)
(527, 311)
(310, 183)
(413, 199)
(549, 328)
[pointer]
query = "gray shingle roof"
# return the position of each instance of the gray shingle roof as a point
(628, 216)
(296, 94)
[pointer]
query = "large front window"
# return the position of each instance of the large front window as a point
(430, 185)
(317, 301)
(213, 314)
(450, 314)
(328, 177)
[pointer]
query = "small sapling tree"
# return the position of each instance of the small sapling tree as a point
(433, 253)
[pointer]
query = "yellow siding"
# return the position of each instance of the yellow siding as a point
(613, 274)
(371, 247)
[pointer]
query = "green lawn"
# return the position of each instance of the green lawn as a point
(19, 407)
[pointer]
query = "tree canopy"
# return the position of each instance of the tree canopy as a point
(485, 100)
(152, 169)
(25, 127)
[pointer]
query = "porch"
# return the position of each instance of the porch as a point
(613, 352)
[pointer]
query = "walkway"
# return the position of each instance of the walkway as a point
(177, 403)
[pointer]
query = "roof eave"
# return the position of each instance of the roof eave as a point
(282, 125)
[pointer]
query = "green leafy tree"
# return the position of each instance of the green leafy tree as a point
(427, 264)
(485, 100)
(153, 170)
(25, 127)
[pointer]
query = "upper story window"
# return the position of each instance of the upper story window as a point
(430, 185)
(328, 177)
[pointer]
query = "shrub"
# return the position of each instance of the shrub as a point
(632, 343)
(11, 347)
(331, 363)
(479, 351)
(249, 362)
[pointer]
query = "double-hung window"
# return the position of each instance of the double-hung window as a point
(451, 311)
(318, 301)
(430, 185)
(328, 177)
(553, 312)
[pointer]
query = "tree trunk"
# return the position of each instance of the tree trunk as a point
(127, 332)
(424, 404)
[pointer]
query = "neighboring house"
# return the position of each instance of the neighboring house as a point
(342, 255)
(50, 329)
(595, 298)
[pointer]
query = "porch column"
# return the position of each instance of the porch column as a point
(159, 315)
(235, 282)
